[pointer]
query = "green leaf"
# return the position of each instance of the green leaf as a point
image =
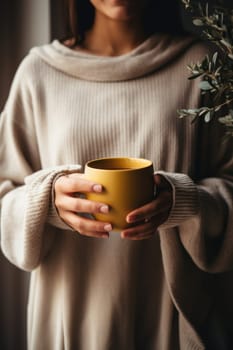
(226, 43)
(203, 111)
(215, 58)
(227, 120)
(207, 117)
(198, 22)
(205, 85)
(217, 108)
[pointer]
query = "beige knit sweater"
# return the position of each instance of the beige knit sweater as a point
(65, 108)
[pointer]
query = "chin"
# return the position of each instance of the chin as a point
(120, 13)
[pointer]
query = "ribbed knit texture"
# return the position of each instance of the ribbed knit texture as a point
(67, 107)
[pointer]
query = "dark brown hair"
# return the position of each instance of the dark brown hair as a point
(160, 16)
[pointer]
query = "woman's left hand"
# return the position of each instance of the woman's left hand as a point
(148, 218)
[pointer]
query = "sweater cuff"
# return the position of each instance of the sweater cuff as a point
(185, 198)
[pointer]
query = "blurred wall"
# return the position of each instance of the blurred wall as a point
(23, 24)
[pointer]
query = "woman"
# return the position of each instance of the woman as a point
(112, 89)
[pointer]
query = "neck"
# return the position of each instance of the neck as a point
(113, 38)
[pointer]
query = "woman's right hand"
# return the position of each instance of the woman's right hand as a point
(70, 205)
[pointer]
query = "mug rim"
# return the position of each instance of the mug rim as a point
(145, 163)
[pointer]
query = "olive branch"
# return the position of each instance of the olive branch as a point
(216, 71)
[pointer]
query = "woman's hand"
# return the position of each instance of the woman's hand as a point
(148, 218)
(72, 207)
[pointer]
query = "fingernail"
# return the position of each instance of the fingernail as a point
(108, 228)
(104, 209)
(124, 235)
(105, 235)
(132, 218)
(97, 188)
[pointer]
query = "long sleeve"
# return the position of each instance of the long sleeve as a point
(25, 215)
(25, 190)
(203, 208)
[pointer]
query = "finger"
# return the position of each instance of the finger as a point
(81, 205)
(139, 234)
(159, 205)
(87, 227)
(140, 237)
(140, 230)
(144, 228)
(73, 183)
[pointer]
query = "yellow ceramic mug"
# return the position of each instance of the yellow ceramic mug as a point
(127, 184)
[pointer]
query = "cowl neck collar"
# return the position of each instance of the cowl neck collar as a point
(149, 56)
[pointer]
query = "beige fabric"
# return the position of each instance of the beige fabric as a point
(85, 293)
